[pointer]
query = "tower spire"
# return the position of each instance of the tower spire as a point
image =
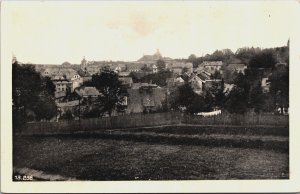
(83, 64)
(157, 53)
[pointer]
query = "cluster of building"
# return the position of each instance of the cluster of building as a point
(69, 79)
(143, 97)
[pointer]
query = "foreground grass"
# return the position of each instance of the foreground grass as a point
(94, 158)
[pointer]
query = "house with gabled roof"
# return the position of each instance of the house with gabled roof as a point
(219, 83)
(202, 82)
(87, 92)
(134, 68)
(237, 67)
(126, 81)
(197, 83)
(177, 67)
(145, 97)
(69, 73)
(50, 72)
(61, 85)
(124, 74)
(119, 67)
(174, 82)
(86, 76)
(212, 66)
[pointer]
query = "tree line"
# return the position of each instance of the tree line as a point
(263, 58)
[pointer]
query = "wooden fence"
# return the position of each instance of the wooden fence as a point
(124, 121)
(238, 119)
(156, 119)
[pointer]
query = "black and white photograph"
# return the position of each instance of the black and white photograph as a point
(148, 91)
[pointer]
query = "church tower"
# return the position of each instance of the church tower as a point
(157, 54)
(83, 64)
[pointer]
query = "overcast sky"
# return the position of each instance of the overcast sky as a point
(54, 32)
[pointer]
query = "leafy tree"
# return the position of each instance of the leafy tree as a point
(50, 87)
(216, 95)
(237, 101)
(198, 104)
(161, 65)
(217, 56)
(227, 53)
(45, 108)
(242, 81)
(184, 70)
(252, 75)
(246, 53)
(108, 84)
(220, 55)
(183, 97)
(279, 88)
(229, 76)
(262, 60)
(193, 59)
(159, 78)
(31, 92)
(135, 78)
(257, 98)
(26, 85)
(186, 98)
(210, 102)
(145, 68)
(88, 83)
(269, 103)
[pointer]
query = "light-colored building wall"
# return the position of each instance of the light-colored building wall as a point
(138, 100)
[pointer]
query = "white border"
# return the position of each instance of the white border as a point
(291, 185)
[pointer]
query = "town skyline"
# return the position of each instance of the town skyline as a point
(15, 57)
(123, 31)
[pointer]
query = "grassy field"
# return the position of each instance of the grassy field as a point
(112, 156)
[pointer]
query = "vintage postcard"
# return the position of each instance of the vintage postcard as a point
(150, 96)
